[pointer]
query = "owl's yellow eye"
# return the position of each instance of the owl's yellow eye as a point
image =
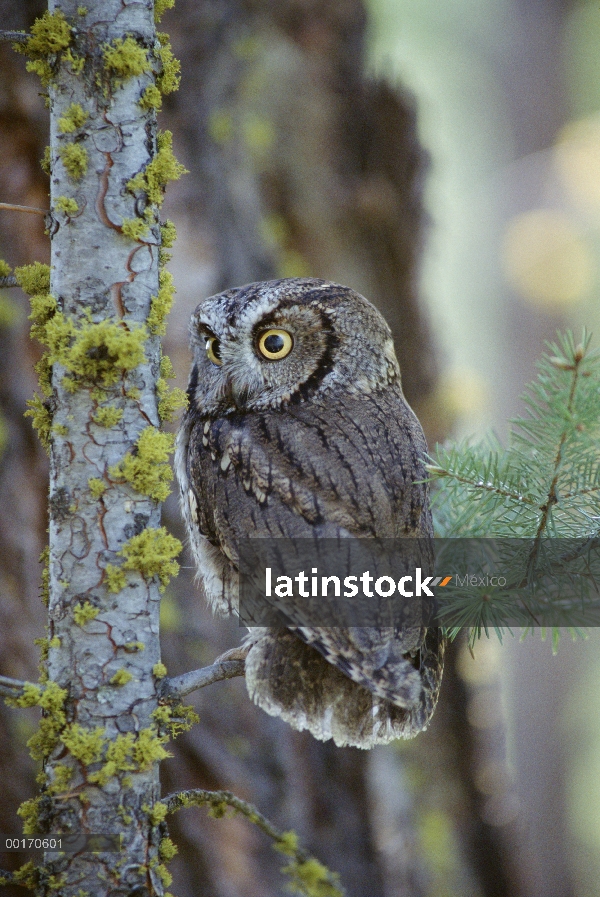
(213, 350)
(275, 344)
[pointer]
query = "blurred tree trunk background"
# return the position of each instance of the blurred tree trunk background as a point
(300, 165)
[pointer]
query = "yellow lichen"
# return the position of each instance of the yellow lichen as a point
(167, 238)
(115, 578)
(75, 159)
(67, 205)
(170, 399)
(160, 7)
(152, 553)
(41, 419)
(85, 612)
(151, 98)
(125, 816)
(170, 75)
(157, 813)
(159, 670)
(121, 678)
(46, 160)
(50, 34)
(30, 696)
(77, 62)
(73, 119)
(33, 278)
(175, 720)
(86, 745)
(287, 843)
(107, 417)
(131, 647)
(52, 701)
(163, 168)
(147, 468)
(168, 234)
(129, 753)
(61, 779)
(125, 58)
(161, 870)
(134, 228)
(97, 487)
(45, 586)
(166, 849)
(5, 268)
(117, 759)
(312, 878)
(98, 353)
(29, 813)
(161, 304)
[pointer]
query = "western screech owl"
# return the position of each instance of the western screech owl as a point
(297, 427)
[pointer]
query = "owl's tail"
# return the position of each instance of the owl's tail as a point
(337, 700)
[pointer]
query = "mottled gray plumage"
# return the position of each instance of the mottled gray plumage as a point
(317, 443)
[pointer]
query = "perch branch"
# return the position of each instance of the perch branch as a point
(227, 666)
(9, 281)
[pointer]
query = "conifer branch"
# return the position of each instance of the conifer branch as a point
(552, 497)
(476, 484)
(537, 500)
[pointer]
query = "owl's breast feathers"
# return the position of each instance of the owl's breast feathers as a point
(304, 467)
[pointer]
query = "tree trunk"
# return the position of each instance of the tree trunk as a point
(98, 739)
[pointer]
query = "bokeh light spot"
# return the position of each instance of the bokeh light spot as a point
(577, 159)
(546, 260)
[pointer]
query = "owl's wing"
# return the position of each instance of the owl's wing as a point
(281, 474)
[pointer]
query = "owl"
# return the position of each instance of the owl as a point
(297, 428)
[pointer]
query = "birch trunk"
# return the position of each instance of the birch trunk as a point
(104, 640)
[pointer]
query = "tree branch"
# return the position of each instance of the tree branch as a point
(11, 688)
(307, 874)
(227, 666)
(16, 37)
(9, 281)
(199, 797)
(11, 207)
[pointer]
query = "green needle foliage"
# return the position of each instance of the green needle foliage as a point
(538, 499)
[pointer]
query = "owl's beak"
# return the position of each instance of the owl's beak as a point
(239, 394)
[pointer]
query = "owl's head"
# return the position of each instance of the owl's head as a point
(270, 343)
